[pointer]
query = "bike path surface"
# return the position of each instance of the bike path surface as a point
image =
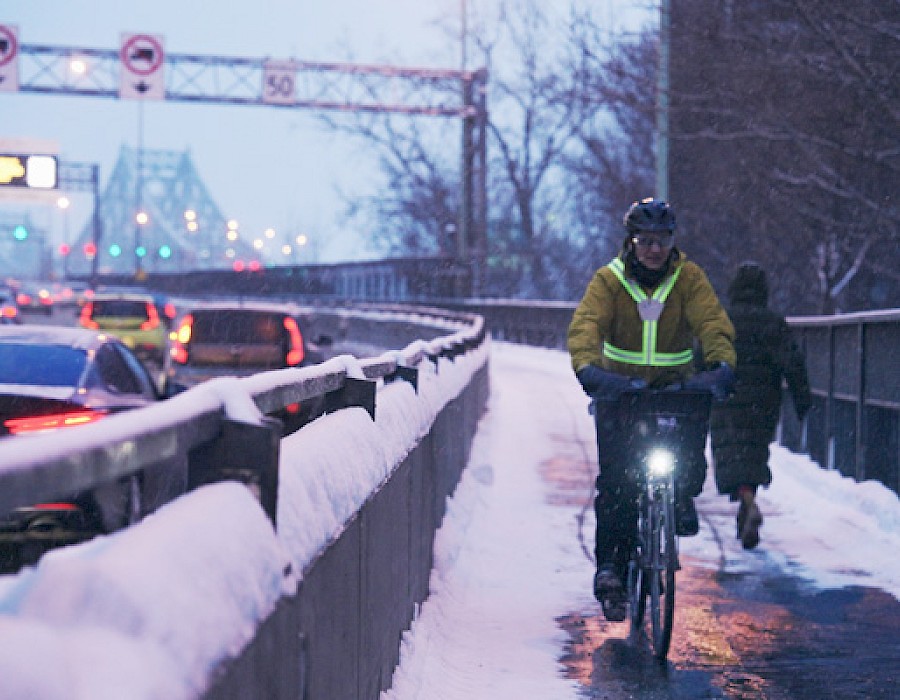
(755, 632)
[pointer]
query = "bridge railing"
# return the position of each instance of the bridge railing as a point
(361, 561)
(137, 461)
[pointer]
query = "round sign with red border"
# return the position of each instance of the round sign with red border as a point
(12, 47)
(142, 54)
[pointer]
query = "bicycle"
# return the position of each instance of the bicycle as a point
(666, 428)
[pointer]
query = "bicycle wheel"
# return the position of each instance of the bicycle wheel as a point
(637, 594)
(637, 573)
(661, 586)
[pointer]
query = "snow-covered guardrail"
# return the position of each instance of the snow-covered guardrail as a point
(203, 597)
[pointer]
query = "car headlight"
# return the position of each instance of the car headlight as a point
(661, 462)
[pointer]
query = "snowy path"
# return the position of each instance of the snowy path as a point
(511, 560)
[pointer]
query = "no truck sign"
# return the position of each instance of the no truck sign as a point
(142, 74)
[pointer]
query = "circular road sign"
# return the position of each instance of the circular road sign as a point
(9, 47)
(142, 54)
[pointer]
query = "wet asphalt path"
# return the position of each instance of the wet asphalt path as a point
(762, 634)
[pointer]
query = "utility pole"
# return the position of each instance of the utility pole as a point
(662, 103)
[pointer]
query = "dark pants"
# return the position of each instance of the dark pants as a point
(615, 504)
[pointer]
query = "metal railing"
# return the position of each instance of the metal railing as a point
(154, 454)
(852, 360)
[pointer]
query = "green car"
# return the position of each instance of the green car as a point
(133, 318)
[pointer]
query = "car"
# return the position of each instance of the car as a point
(54, 378)
(134, 318)
(241, 338)
(9, 307)
(33, 297)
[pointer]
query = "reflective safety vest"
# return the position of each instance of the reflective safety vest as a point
(650, 309)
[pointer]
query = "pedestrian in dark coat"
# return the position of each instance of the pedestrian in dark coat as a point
(742, 428)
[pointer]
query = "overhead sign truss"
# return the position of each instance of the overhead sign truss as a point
(290, 84)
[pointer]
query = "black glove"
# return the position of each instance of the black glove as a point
(603, 384)
(718, 380)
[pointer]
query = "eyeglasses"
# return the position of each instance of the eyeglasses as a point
(648, 241)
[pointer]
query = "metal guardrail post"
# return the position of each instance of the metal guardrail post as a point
(246, 453)
(861, 427)
(354, 392)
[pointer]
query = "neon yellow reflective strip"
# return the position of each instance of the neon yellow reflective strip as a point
(647, 356)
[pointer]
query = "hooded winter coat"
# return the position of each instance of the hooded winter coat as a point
(742, 428)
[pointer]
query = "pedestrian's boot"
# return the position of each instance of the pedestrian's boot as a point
(749, 519)
(608, 589)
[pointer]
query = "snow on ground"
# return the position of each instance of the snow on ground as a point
(508, 563)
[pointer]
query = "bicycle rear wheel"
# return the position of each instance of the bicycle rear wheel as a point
(661, 574)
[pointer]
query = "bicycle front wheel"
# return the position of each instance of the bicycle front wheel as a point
(661, 584)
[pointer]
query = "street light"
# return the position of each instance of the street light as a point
(142, 219)
(64, 203)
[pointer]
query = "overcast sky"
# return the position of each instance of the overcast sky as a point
(264, 167)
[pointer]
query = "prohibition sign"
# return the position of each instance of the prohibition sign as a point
(144, 49)
(9, 47)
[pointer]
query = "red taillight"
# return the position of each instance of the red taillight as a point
(85, 318)
(23, 299)
(292, 408)
(56, 506)
(35, 424)
(180, 339)
(295, 354)
(169, 311)
(152, 319)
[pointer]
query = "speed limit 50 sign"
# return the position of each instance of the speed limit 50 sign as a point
(279, 82)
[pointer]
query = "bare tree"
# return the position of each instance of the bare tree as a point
(784, 123)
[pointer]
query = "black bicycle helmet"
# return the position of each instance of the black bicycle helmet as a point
(650, 215)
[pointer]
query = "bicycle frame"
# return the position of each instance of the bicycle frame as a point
(664, 428)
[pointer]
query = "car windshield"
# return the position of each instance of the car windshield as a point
(41, 365)
(243, 327)
(120, 308)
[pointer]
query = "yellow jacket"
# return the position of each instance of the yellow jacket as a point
(607, 323)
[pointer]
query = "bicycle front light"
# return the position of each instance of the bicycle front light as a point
(661, 462)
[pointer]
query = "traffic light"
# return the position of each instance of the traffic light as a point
(64, 249)
(20, 233)
(90, 249)
(140, 251)
(115, 250)
(165, 252)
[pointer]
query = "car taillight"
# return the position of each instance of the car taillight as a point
(36, 424)
(180, 339)
(152, 319)
(295, 354)
(87, 311)
(23, 299)
(169, 311)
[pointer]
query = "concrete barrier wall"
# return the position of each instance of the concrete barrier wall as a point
(339, 637)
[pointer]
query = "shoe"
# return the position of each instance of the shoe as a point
(610, 592)
(686, 522)
(749, 521)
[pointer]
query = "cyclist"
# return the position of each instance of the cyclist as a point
(635, 327)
